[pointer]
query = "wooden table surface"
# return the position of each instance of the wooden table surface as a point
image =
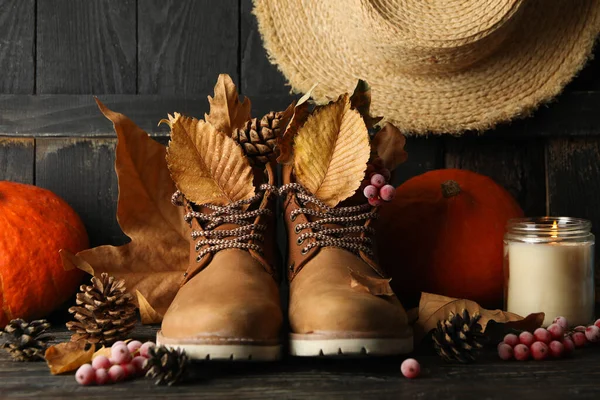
(367, 378)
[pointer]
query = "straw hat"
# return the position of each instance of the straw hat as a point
(441, 66)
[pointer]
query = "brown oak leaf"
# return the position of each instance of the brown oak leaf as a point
(154, 261)
(226, 112)
(389, 143)
(206, 165)
(375, 286)
(434, 308)
(361, 101)
(68, 356)
(331, 152)
(293, 118)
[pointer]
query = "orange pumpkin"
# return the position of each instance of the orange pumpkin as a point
(36, 224)
(443, 233)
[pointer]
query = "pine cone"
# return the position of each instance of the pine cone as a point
(104, 313)
(26, 341)
(165, 365)
(459, 338)
(258, 138)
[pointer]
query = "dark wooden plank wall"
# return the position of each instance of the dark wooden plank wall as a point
(149, 57)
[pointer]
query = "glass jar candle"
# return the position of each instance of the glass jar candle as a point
(549, 267)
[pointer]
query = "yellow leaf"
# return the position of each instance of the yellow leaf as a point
(148, 314)
(103, 351)
(154, 261)
(293, 118)
(68, 356)
(375, 286)
(389, 145)
(434, 308)
(207, 166)
(226, 112)
(331, 152)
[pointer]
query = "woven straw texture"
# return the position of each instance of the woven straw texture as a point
(436, 66)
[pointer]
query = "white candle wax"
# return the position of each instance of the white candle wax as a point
(554, 278)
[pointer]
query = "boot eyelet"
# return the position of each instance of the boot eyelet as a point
(292, 217)
(299, 241)
(304, 251)
(198, 259)
(297, 229)
(197, 247)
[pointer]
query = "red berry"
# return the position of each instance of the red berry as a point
(579, 339)
(139, 362)
(505, 351)
(521, 352)
(101, 362)
(562, 321)
(511, 339)
(579, 328)
(116, 373)
(539, 351)
(556, 331)
(592, 333)
(370, 170)
(377, 180)
(410, 368)
(387, 192)
(85, 375)
(569, 345)
(134, 346)
(371, 192)
(526, 338)
(144, 349)
(130, 370)
(557, 349)
(542, 335)
(375, 202)
(386, 174)
(597, 323)
(102, 376)
(119, 354)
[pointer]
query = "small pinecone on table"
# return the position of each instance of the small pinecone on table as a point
(26, 341)
(166, 366)
(459, 338)
(104, 313)
(258, 137)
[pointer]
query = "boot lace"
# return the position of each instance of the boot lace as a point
(233, 213)
(351, 218)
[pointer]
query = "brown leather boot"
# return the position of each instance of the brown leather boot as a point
(329, 248)
(228, 306)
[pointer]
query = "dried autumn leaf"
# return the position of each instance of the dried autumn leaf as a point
(361, 101)
(154, 261)
(207, 166)
(68, 356)
(375, 286)
(434, 308)
(331, 152)
(293, 118)
(103, 351)
(226, 112)
(389, 143)
(147, 312)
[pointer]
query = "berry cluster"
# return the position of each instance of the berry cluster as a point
(556, 341)
(126, 361)
(378, 191)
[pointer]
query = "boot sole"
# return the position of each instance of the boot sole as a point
(231, 349)
(316, 345)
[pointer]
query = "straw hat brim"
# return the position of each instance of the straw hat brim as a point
(539, 57)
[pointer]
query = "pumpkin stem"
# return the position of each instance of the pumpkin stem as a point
(450, 188)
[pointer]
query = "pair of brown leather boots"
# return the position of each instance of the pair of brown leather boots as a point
(228, 306)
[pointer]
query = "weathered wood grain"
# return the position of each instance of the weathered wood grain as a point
(86, 46)
(17, 46)
(424, 154)
(318, 378)
(573, 176)
(81, 171)
(517, 165)
(17, 160)
(259, 76)
(183, 45)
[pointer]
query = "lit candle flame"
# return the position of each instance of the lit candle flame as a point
(554, 234)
